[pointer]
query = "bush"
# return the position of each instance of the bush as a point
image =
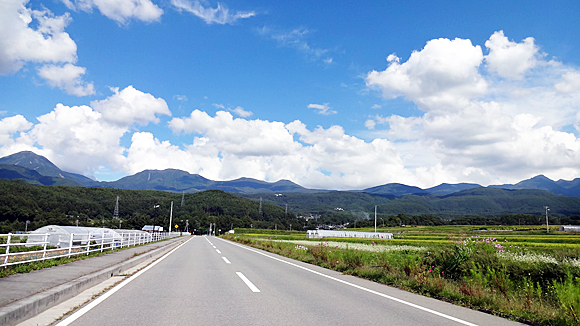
(568, 293)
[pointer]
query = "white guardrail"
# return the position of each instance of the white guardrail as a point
(78, 244)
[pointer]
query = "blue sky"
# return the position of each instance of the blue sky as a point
(335, 95)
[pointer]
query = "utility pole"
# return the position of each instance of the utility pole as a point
(375, 218)
(286, 209)
(547, 227)
(170, 217)
(260, 209)
(183, 199)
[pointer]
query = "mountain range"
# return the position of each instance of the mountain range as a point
(36, 169)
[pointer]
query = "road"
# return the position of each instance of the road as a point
(210, 281)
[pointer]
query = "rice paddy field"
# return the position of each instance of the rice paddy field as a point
(524, 274)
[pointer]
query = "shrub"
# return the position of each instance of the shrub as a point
(568, 293)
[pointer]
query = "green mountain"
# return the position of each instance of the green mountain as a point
(394, 189)
(43, 166)
(485, 202)
(470, 202)
(446, 188)
(43, 205)
(9, 171)
(166, 180)
(181, 181)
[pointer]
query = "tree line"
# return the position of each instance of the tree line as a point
(45, 205)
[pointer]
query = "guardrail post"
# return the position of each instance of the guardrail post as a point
(7, 248)
(70, 244)
(45, 243)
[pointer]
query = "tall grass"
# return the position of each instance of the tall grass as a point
(475, 272)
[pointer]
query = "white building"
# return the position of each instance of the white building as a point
(569, 228)
(317, 234)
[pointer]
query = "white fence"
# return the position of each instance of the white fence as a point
(317, 234)
(77, 245)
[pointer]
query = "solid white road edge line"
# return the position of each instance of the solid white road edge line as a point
(226, 260)
(103, 297)
(248, 283)
(358, 286)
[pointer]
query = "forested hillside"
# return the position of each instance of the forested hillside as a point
(43, 205)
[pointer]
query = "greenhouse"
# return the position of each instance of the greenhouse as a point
(317, 234)
(68, 236)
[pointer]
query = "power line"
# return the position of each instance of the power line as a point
(116, 211)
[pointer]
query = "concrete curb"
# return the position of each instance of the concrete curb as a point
(21, 310)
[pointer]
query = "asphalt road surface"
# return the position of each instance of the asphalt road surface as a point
(210, 281)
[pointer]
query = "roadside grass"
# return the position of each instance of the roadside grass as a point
(533, 282)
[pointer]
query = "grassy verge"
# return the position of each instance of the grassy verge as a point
(483, 274)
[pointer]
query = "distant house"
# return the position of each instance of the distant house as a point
(569, 228)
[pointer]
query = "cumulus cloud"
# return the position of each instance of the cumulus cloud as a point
(46, 44)
(570, 83)
(10, 126)
(21, 43)
(83, 138)
(268, 150)
(476, 128)
(323, 109)
(443, 75)
(131, 106)
(121, 11)
(68, 78)
(510, 59)
(220, 15)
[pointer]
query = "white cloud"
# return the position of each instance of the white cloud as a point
(68, 78)
(442, 76)
(238, 110)
(9, 127)
(570, 82)
(82, 139)
(323, 109)
(296, 39)
(241, 112)
(510, 59)
(74, 138)
(131, 106)
(220, 15)
(326, 158)
(482, 130)
(121, 11)
(21, 43)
